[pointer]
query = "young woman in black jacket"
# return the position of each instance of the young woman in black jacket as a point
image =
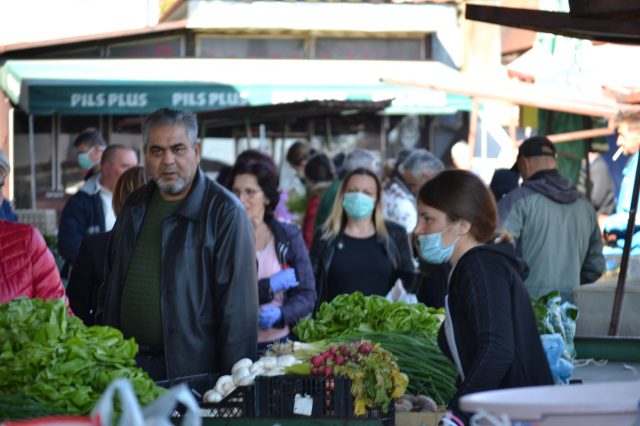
(490, 330)
(356, 250)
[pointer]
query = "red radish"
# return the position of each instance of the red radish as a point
(365, 348)
(354, 359)
(317, 361)
(339, 360)
(333, 350)
(331, 357)
(344, 347)
(321, 370)
(328, 371)
(314, 371)
(325, 354)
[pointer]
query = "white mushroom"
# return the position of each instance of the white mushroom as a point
(239, 374)
(269, 362)
(212, 396)
(247, 381)
(272, 373)
(243, 363)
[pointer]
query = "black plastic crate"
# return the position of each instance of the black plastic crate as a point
(199, 383)
(240, 403)
(275, 397)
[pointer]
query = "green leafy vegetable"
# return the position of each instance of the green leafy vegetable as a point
(56, 360)
(407, 330)
(418, 356)
(355, 313)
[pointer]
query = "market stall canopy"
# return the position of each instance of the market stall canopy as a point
(565, 99)
(609, 66)
(141, 86)
(596, 28)
(274, 113)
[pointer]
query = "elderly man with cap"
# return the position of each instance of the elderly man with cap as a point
(5, 208)
(555, 231)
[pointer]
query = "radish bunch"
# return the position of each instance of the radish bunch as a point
(330, 362)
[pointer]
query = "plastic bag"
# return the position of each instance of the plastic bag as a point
(569, 315)
(399, 294)
(155, 414)
(561, 369)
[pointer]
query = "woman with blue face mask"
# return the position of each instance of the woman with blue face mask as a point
(490, 331)
(356, 250)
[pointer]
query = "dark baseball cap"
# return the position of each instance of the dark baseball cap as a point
(533, 147)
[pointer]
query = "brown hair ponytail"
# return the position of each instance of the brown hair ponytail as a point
(462, 195)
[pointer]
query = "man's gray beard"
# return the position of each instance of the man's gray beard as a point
(174, 189)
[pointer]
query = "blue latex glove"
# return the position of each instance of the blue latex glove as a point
(269, 315)
(283, 280)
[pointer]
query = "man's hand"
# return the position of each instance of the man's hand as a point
(269, 315)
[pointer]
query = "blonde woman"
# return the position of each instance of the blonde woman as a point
(356, 250)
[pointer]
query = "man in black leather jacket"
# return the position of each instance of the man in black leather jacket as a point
(180, 271)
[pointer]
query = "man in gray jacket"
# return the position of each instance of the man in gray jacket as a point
(554, 229)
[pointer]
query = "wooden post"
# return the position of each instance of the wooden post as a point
(247, 128)
(473, 129)
(329, 137)
(614, 327)
(110, 130)
(283, 147)
(32, 150)
(384, 125)
(311, 129)
(54, 153)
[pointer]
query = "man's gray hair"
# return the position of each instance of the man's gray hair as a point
(171, 117)
(358, 158)
(422, 161)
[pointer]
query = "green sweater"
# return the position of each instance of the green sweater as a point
(141, 311)
(326, 204)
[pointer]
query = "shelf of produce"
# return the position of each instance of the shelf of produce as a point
(607, 347)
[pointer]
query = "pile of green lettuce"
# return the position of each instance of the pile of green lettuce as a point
(355, 313)
(56, 360)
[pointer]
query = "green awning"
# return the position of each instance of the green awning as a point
(141, 86)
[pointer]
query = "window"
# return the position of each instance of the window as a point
(362, 48)
(156, 48)
(212, 47)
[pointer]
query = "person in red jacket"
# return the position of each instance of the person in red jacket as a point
(27, 266)
(319, 173)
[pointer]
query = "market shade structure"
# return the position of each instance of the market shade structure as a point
(141, 86)
(549, 97)
(282, 112)
(595, 27)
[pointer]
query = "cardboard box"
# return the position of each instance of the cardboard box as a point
(417, 419)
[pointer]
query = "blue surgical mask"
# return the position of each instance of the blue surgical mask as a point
(431, 248)
(84, 161)
(358, 205)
